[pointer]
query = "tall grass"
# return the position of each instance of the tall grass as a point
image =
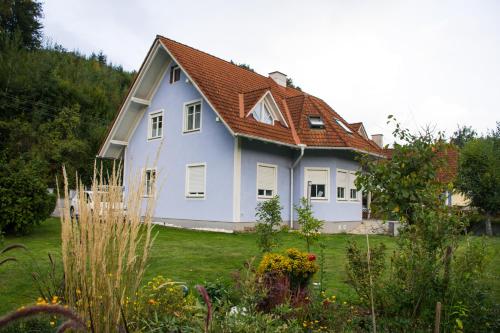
(105, 250)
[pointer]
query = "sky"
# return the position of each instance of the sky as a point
(428, 63)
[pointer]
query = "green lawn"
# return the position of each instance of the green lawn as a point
(184, 255)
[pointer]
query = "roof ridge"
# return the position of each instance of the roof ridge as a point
(231, 63)
(255, 90)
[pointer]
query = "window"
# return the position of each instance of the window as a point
(266, 181)
(341, 124)
(342, 182)
(149, 182)
(192, 117)
(316, 122)
(155, 125)
(195, 180)
(175, 74)
(353, 193)
(346, 186)
(316, 183)
(262, 114)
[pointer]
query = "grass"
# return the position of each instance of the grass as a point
(187, 256)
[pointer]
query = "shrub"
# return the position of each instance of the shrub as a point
(24, 200)
(268, 223)
(164, 304)
(357, 269)
(285, 278)
(310, 227)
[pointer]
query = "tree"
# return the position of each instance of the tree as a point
(310, 227)
(430, 262)
(463, 135)
(289, 83)
(402, 184)
(24, 200)
(268, 223)
(479, 174)
(22, 17)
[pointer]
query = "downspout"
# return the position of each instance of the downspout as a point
(294, 164)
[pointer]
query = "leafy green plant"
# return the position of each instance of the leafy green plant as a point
(24, 200)
(268, 225)
(423, 266)
(310, 227)
(358, 273)
(479, 174)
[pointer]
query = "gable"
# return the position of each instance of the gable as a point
(267, 105)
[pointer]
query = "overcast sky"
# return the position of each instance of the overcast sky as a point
(426, 62)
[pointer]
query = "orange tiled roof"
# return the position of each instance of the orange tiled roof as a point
(448, 171)
(233, 91)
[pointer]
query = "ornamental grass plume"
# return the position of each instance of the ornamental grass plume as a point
(105, 249)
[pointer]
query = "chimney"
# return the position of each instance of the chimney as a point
(378, 139)
(278, 77)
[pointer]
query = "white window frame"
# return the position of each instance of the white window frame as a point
(327, 185)
(196, 196)
(347, 192)
(154, 114)
(346, 187)
(173, 69)
(153, 186)
(353, 174)
(184, 116)
(275, 185)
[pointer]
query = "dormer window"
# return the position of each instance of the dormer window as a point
(175, 74)
(341, 124)
(262, 114)
(316, 122)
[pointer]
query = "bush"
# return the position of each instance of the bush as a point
(268, 223)
(285, 278)
(24, 200)
(164, 304)
(310, 227)
(357, 270)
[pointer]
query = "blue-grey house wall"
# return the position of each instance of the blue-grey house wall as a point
(252, 153)
(213, 145)
(331, 210)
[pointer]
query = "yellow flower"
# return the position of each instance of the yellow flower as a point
(52, 323)
(54, 299)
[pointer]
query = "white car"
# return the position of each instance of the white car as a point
(89, 200)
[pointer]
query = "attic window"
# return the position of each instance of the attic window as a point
(341, 124)
(262, 114)
(316, 122)
(175, 74)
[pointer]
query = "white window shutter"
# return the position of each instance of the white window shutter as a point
(317, 176)
(352, 179)
(342, 179)
(266, 177)
(196, 179)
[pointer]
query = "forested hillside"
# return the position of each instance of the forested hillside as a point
(55, 104)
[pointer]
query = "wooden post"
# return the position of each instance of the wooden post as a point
(437, 322)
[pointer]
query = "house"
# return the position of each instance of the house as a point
(218, 139)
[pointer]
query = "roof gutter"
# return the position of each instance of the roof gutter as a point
(294, 164)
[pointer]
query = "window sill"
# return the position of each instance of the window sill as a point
(155, 138)
(191, 131)
(195, 197)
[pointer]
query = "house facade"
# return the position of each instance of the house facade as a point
(212, 140)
